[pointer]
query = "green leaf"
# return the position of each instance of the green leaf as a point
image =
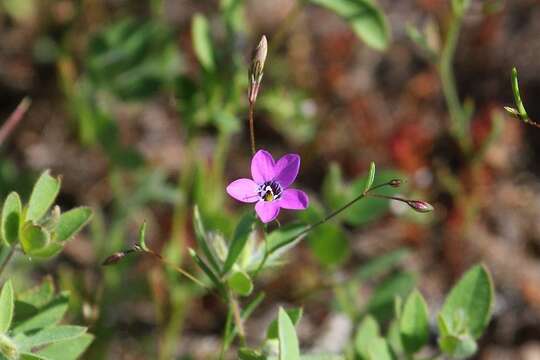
(289, 348)
(366, 19)
(414, 323)
(394, 338)
(202, 240)
(71, 222)
(142, 237)
(68, 349)
(370, 178)
(473, 297)
(43, 195)
(459, 347)
(202, 42)
(285, 235)
(48, 315)
(48, 251)
(367, 332)
(206, 269)
(40, 295)
(7, 301)
(240, 237)
(329, 244)
(240, 283)
(295, 314)
(48, 335)
(33, 238)
(379, 350)
(517, 97)
(11, 218)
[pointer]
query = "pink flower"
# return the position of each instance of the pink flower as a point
(270, 186)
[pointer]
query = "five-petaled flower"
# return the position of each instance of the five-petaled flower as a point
(270, 185)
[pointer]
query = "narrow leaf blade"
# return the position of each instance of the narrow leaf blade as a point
(71, 222)
(45, 191)
(289, 348)
(7, 301)
(240, 238)
(11, 218)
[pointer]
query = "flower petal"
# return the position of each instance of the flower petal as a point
(294, 200)
(267, 210)
(286, 169)
(244, 190)
(262, 167)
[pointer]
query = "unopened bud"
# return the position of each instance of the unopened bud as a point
(395, 183)
(114, 258)
(258, 59)
(420, 206)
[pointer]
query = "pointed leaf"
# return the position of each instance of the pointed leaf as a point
(379, 350)
(71, 222)
(370, 178)
(458, 347)
(142, 237)
(202, 41)
(202, 240)
(289, 348)
(241, 236)
(68, 349)
(48, 335)
(40, 295)
(414, 323)
(295, 314)
(11, 218)
(285, 235)
(367, 332)
(473, 297)
(48, 315)
(30, 356)
(45, 191)
(7, 301)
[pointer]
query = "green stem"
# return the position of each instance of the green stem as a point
(460, 120)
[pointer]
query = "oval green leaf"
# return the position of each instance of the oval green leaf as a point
(71, 222)
(240, 283)
(11, 218)
(45, 191)
(472, 296)
(33, 238)
(7, 301)
(414, 323)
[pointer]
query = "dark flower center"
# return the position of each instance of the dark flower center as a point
(270, 191)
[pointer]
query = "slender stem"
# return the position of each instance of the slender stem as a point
(7, 259)
(178, 269)
(460, 121)
(235, 307)
(9, 125)
(252, 127)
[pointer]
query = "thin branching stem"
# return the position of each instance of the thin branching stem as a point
(237, 316)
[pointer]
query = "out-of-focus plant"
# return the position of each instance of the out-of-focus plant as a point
(29, 322)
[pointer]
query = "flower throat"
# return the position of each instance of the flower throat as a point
(270, 191)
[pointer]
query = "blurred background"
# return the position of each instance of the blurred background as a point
(141, 106)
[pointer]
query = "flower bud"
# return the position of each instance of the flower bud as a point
(395, 183)
(420, 206)
(114, 258)
(258, 59)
